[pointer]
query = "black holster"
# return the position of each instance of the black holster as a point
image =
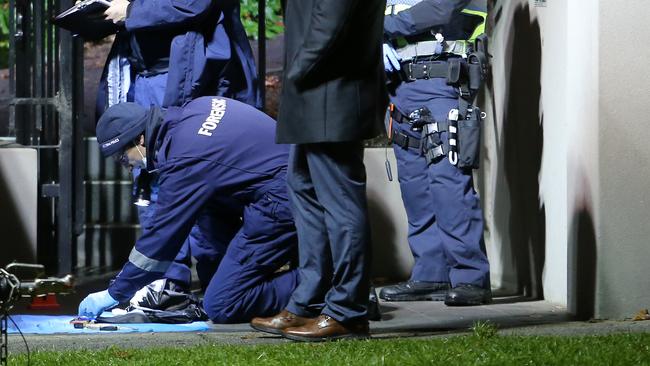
(463, 143)
(469, 139)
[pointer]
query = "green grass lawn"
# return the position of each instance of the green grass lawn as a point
(481, 348)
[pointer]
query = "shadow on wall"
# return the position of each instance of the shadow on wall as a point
(582, 255)
(584, 286)
(522, 143)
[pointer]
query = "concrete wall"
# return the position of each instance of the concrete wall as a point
(623, 166)
(582, 115)
(524, 175)
(18, 204)
(564, 182)
(540, 170)
(392, 258)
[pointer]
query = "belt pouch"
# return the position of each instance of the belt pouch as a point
(474, 76)
(469, 141)
(453, 75)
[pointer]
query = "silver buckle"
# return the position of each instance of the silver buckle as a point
(431, 128)
(436, 152)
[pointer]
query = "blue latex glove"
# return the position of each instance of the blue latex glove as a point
(95, 304)
(391, 59)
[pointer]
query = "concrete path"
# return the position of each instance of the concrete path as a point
(415, 319)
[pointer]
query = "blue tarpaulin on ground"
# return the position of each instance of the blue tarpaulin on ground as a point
(51, 324)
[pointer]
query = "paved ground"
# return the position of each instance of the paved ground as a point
(416, 319)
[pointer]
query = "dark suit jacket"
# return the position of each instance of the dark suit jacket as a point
(333, 88)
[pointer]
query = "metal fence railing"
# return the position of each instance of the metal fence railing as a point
(45, 91)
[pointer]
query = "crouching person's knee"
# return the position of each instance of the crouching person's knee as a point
(222, 311)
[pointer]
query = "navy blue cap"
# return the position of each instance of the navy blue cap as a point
(119, 126)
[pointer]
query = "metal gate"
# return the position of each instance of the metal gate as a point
(44, 103)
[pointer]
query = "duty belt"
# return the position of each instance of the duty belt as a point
(426, 70)
(405, 141)
(416, 50)
(399, 117)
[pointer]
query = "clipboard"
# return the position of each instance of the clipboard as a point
(86, 20)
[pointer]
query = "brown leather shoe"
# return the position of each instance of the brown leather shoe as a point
(325, 328)
(276, 324)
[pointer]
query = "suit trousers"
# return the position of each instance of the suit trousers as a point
(327, 188)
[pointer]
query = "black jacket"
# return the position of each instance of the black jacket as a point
(333, 88)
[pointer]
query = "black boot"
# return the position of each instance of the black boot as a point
(465, 295)
(415, 291)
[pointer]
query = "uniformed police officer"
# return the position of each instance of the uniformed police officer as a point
(215, 158)
(435, 68)
(155, 48)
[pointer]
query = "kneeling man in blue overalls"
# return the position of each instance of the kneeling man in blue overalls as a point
(216, 158)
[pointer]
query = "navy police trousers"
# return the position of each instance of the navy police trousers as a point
(445, 230)
(248, 282)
